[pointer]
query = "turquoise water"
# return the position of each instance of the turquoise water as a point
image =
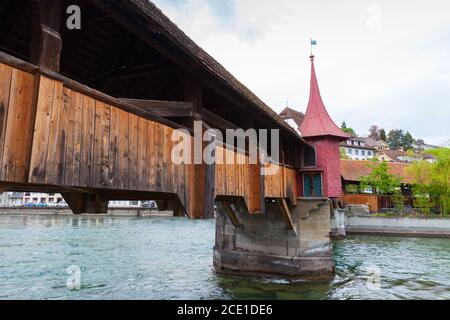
(171, 258)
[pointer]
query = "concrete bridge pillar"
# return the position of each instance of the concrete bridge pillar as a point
(339, 223)
(263, 244)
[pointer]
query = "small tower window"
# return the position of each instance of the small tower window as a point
(309, 157)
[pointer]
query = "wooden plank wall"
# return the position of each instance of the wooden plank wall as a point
(243, 180)
(282, 184)
(16, 122)
(81, 142)
(367, 199)
(50, 134)
(237, 180)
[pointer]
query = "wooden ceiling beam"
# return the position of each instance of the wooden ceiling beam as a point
(215, 121)
(166, 109)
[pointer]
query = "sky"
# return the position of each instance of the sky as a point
(384, 63)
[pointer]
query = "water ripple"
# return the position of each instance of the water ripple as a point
(171, 258)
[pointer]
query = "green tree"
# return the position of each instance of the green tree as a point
(432, 181)
(399, 200)
(380, 180)
(395, 139)
(440, 178)
(407, 141)
(374, 133)
(350, 131)
(383, 135)
(343, 154)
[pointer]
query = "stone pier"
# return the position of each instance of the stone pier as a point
(263, 244)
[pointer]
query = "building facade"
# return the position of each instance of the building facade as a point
(357, 148)
(44, 198)
(11, 199)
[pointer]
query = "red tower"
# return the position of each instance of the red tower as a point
(321, 176)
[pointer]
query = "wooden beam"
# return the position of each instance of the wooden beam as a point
(142, 31)
(286, 214)
(210, 183)
(216, 121)
(144, 71)
(166, 109)
(46, 43)
(231, 214)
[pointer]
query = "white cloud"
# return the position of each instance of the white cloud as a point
(378, 62)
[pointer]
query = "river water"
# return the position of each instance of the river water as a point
(171, 258)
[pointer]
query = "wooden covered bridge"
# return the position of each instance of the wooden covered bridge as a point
(89, 113)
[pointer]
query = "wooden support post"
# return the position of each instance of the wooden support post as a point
(286, 214)
(231, 214)
(86, 203)
(210, 182)
(46, 43)
(202, 184)
(95, 204)
(262, 189)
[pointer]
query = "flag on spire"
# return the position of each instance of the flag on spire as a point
(313, 43)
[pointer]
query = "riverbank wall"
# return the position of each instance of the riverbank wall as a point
(116, 212)
(393, 226)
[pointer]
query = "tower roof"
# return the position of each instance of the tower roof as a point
(317, 121)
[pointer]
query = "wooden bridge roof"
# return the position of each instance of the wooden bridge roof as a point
(148, 10)
(157, 50)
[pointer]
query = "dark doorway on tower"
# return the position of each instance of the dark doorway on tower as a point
(312, 184)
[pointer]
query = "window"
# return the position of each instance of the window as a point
(349, 151)
(363, 153)
(356, 152)
(312, 185)
(369, 153)
(309, 157)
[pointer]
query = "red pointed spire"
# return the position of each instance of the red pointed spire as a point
(317, 121)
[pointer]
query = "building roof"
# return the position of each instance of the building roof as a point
(289, 113)
(354, 170)
(397, 155)
(394, 154)
(374, 143)
(317, 121)
(149, 11)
